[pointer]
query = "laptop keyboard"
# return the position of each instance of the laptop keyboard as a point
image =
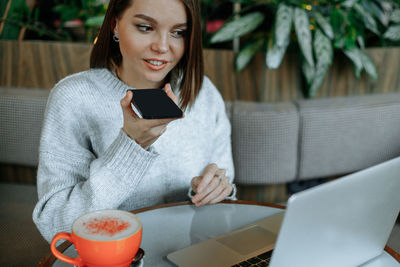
(261, 260)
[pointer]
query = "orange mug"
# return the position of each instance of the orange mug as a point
(102, 238)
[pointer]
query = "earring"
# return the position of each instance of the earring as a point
(115, 38)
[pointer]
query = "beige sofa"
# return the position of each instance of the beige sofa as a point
(273, 143)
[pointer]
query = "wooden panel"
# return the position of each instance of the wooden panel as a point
(341, 79)
(41, 64)
(263, 193)
(219, 68)
(17, 174)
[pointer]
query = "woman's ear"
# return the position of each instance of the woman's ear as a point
(114, 26)
(116, 29)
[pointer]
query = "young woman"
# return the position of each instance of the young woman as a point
(96, 153)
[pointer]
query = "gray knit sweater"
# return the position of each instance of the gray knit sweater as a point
(86, 162)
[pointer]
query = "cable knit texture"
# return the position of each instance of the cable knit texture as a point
(86, 161)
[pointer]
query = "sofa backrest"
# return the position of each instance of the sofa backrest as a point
(346, 134)
(264, 141)
(271, 142)
(21, 116)
(301, 140)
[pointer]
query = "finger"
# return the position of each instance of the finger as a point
(170, 93)
(158, 122)
(195, 183)
(126, 105)
(226, 192)
(220, 193)
(201, 195)
(212, 195)
(208, 175)
(217, 194)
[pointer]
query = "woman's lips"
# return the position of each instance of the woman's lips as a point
(155, 64)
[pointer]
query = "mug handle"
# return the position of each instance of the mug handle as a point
(66, 236)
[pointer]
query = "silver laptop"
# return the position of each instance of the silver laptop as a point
(343, 223)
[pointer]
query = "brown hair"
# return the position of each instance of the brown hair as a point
(187, 74)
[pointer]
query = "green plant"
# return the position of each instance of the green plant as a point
(12, 11)
(317, 29)
(17, 18)
(90, 13)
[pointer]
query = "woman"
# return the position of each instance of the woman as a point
(96, 153)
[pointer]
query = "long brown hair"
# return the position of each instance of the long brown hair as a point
(187, 74)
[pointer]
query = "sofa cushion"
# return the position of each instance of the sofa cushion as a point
(21, 116)
(346, 134)
(21, 244)
(264, 142)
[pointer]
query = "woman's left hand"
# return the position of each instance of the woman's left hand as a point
(211, 187)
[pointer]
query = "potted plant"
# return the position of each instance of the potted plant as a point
(317, 29)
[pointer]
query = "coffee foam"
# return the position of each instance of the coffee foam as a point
(106, 225)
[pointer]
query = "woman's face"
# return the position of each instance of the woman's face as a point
(152, 41)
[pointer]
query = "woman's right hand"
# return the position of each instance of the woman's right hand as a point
(144, 132)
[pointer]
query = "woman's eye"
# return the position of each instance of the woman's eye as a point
(179, 33)
(144, 28)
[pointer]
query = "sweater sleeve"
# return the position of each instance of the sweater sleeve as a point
(72, 180)
(221, 140)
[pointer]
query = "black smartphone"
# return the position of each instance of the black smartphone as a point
(155, 104)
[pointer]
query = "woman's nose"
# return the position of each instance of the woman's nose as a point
(160, 44)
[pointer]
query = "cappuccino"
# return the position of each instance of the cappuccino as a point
(106, 225)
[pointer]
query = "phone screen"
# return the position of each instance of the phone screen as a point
(155, 104)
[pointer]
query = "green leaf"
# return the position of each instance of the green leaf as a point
(360, 41)
(353, 55)
(277, 45)
(283, 24)
(369, 21)
(372, 8)
(275, 55)
(387, 5)
(324, 24)
(337, 21)
(323, 49)
(238, 27)
(350, 43)
(395, 16)
(318, 80)
(247, 53)
(340, 42)
(308, 71)
(94, 21)
(16, 13)
(36, 15)
(368, 65)
(66, 12)
(351, 38)
(303, 32)
(393, 33)
(362, 61)
(323, 54)
(349, 3)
